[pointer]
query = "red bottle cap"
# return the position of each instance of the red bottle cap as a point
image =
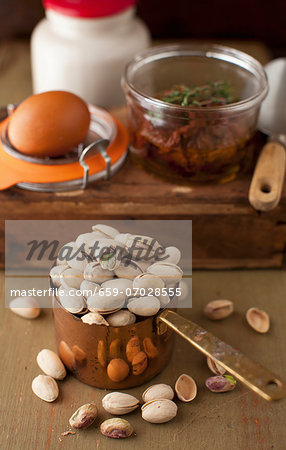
(88, 8)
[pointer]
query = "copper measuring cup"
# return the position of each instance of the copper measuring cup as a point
(128, 356)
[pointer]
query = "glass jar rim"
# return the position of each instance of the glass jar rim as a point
(212, 51)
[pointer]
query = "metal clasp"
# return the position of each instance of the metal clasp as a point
(96, 147)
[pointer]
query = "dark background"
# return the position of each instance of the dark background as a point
(264, 20)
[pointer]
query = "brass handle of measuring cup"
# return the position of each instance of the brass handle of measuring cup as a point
(253, 375)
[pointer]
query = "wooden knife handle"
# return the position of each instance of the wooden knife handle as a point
(268, 178)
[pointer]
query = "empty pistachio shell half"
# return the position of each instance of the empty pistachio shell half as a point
(105, 304)
(258, 320)
(158, 391)
(72, 300)
(121, 318)
(84, 416)
(119, 403)
(71, 278)
(51, 364)
(215, 367)
(94, 318)
(168, 272)
(45, 387)
(221, 383)
(27, 307)
(116, 428)
(144, 306)
(218, 309)
(55, 273)
(106, 230)
(159, 411)
(186, 388)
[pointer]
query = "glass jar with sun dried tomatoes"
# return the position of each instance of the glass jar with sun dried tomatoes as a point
(192, 110)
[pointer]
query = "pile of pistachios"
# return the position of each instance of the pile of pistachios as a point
(113, 278)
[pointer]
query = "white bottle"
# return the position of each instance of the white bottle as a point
(83, 47)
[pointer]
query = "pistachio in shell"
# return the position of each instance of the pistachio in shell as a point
(116, 428)
(158, 391)
(159, 411)
(71, 278)
(45, 387)
(95, 273)
(186, 388)
(106, 230)
(27, 307)
(221, 383)
(119, 403)
(144, 306)
(168, 272)
(105, 304)
(258, 320)
(218, 309)
(72, 300)
(84, 416)
(55, 273)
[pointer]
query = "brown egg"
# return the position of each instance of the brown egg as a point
(49, 124)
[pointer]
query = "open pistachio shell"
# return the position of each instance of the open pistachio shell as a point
(119, 403)
(258, 320)
(186, 388)
(215, 367)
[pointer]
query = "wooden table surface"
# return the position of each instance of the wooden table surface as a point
(239, 419)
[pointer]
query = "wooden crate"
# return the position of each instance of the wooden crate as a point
(227, 231)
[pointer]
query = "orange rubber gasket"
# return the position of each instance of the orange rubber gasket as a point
(14, 171)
